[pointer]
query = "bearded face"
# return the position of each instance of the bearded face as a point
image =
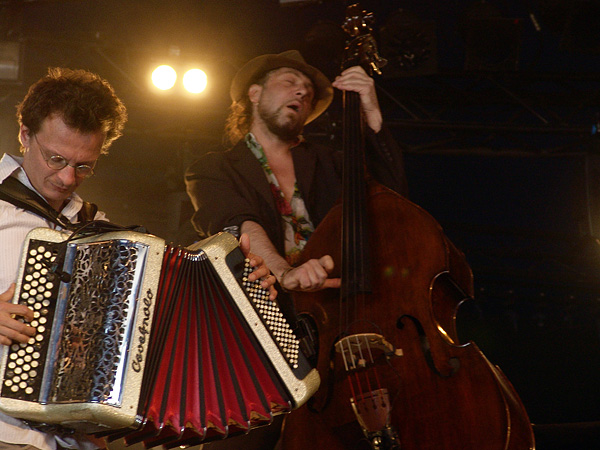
(284, 103)
(281, 123)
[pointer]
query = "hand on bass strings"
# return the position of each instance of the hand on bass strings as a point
(12, 329)
(313, 275)
(261, 271)
(355, 79)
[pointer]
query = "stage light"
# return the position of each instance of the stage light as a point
(195, 81)
(164, 77)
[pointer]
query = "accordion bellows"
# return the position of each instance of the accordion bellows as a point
(150, 342)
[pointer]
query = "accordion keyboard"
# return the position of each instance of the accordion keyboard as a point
(26, 360)
(273, 318)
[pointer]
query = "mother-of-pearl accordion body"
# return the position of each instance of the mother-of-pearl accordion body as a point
(162, 344)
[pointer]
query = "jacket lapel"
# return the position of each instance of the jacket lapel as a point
(248, 168)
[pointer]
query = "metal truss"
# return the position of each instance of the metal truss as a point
(542, 112)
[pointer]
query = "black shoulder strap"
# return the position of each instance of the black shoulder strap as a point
(15, 192)
(87, 212)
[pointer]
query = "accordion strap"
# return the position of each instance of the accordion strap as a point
(16, 193)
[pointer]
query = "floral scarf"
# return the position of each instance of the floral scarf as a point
(297, 224)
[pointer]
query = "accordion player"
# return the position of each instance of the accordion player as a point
(150, 342)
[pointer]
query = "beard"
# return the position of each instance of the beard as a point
(280, 124)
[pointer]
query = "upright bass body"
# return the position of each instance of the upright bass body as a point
(422, 389)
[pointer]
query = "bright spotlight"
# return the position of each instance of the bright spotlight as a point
(194, 81)
(164, 77)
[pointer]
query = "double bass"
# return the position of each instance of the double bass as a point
(394, 374)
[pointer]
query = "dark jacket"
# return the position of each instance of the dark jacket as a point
(228, 188)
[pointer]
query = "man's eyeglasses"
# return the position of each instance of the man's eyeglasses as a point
(57, 162)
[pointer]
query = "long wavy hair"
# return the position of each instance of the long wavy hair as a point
(239, 119)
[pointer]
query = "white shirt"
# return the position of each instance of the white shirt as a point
(15, 223)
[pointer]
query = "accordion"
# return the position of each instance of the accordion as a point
(150, 342)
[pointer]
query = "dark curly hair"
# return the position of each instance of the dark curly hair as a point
(85, 102)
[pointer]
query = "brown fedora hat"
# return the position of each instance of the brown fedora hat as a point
(255, 68)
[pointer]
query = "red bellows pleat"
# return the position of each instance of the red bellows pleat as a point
(206, 375)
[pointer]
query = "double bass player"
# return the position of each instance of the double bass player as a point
(274, 185)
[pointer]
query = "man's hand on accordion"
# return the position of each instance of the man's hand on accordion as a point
(261, 271)
(11, 328)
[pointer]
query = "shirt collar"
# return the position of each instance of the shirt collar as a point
(11, 165)
(252, 143)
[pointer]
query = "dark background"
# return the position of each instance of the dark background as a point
(495, 104)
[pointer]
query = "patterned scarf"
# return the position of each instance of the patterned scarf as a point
(297, 224)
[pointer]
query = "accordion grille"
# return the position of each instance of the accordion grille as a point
(94, 322)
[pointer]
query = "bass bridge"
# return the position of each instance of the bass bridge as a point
(370, 401)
